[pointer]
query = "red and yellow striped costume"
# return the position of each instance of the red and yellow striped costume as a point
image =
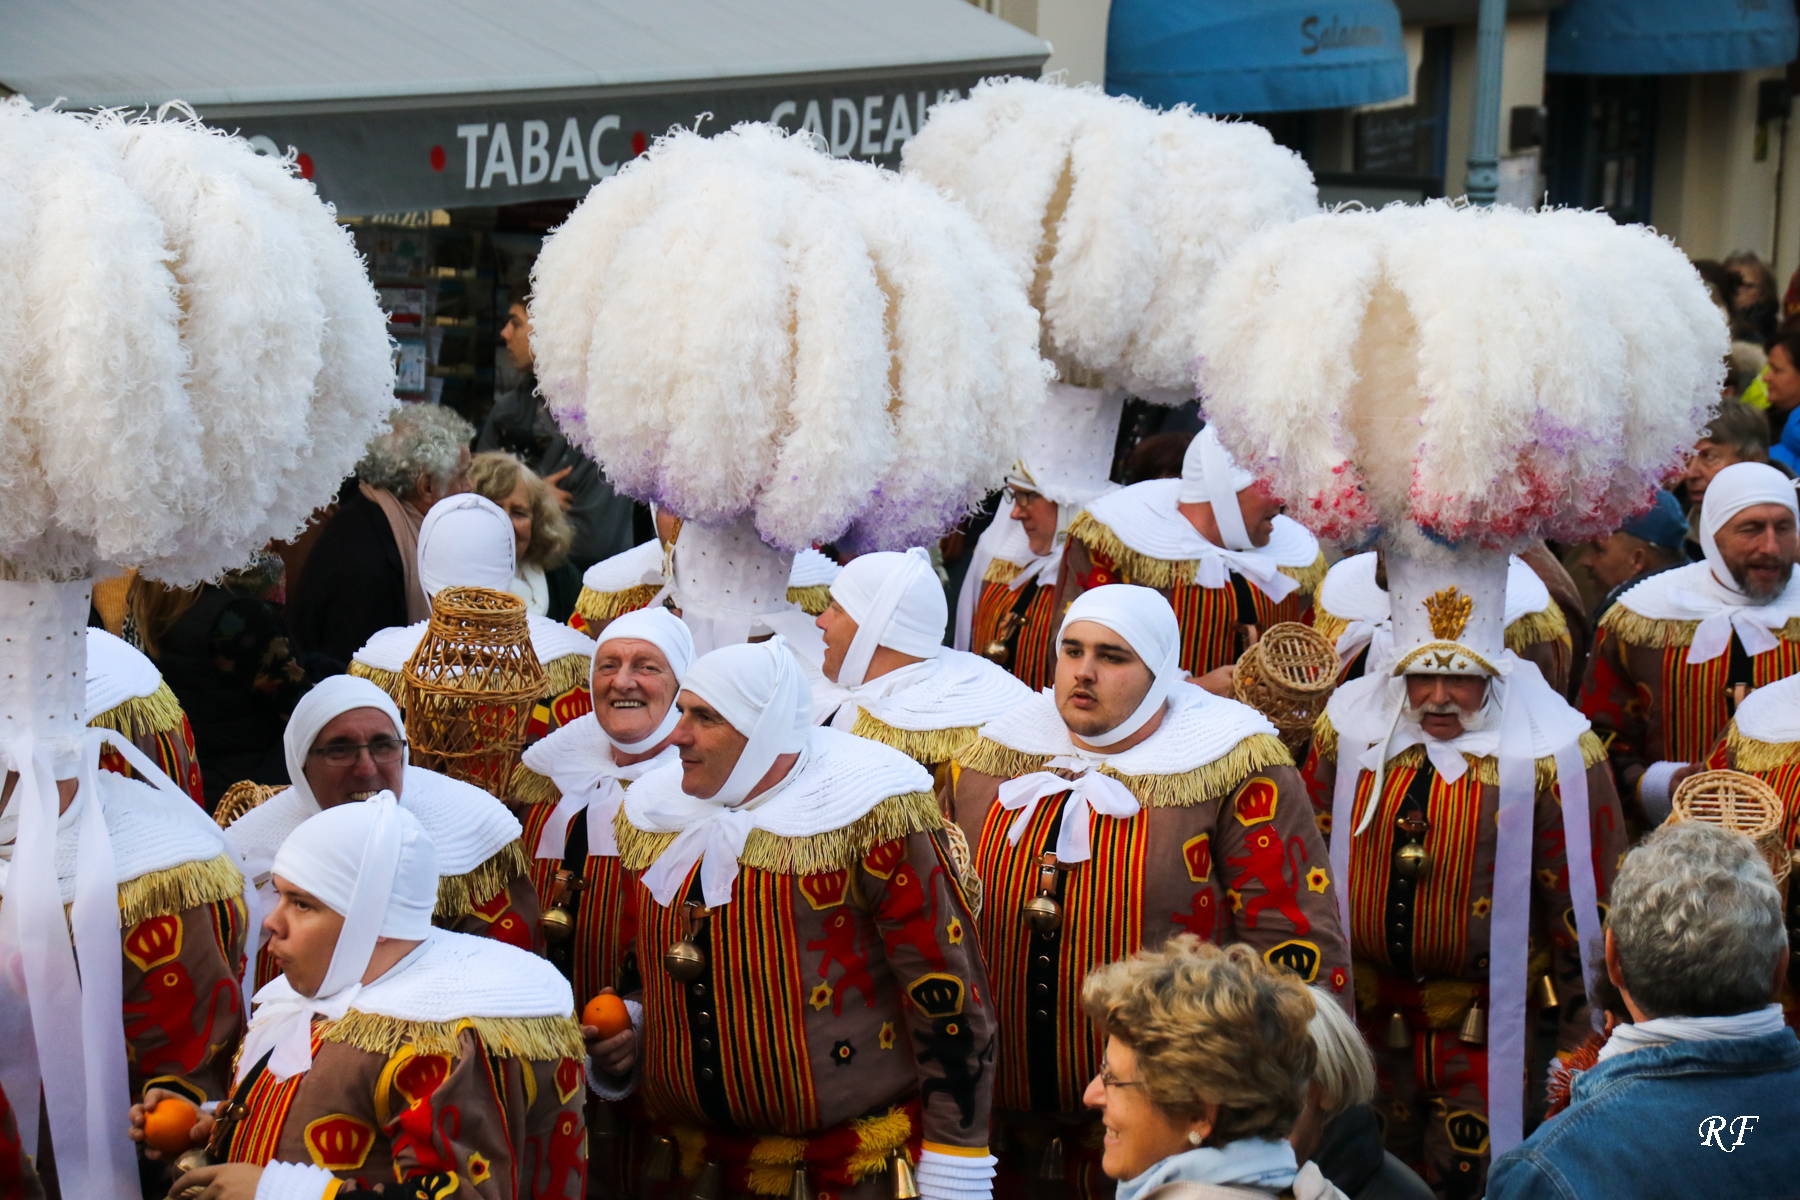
(1034, 655)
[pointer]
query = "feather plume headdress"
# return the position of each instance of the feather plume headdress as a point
(1113, 215)
(741, 327)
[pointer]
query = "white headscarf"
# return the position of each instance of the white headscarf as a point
(371, 863)
(332, 698)
(761, 692)
(1210, 476)
(577, 757)
(1144, 619)
(896, 601)
(466, 541)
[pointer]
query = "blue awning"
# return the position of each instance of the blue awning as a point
(1246, 56)
(1670, 37)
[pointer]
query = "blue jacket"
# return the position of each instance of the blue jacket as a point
(1708, 1119)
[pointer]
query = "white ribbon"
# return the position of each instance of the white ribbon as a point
(1089, 792)
(1360, 634)
(600, 796)
(914, 564)
(1712, 637)
(282, 1027)
(715, 842)
(1264, 574)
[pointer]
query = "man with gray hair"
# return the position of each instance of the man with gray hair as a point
(362, 575)
(1696, 945)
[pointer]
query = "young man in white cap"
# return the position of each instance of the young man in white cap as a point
(1474, 816)
(813, 999)
(888, 675)
(467, 541)
(345, 744)
(390, 1058)
(1677, 652)
(1126, 808)
(1008, 609)
(1213, 542)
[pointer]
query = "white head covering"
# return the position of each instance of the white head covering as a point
(466, 541)
(331, 698)
(667, 632)
(1144, 619)
(373, 864)
(1209, 475)
(1737, 487)
(896, 601)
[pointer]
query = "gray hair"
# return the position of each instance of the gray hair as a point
(420, 438)
(1346, 1071)
(1696, 918)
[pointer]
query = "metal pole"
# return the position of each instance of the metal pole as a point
(1484, 132)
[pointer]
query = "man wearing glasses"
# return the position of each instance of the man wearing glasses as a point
(346, 743)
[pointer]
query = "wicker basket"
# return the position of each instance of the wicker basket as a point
(469, 688)
(241, 797)
(1288, 675)
(1741, 803)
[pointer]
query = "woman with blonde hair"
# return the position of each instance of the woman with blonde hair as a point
(544, 578)
(1208, 1061)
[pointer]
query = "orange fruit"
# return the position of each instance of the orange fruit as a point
(606, 1012)
(168, 1128)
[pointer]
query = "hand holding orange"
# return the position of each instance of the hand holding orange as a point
(607, 1013)
(168, 1128)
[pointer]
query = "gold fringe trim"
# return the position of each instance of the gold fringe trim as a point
(1748, 754)
(528, 787)
(600, 607)
(164, 893)
(142, 716)
(1640, 630)
(1001, 571)
(925, 746)
(813, 599)
(459, 894)
(834, 850)
(1327, 625)
(560, 675)
(1536, 628)
(1183, 790)
(1165, 573)
(538, 1039)
(1593, 750)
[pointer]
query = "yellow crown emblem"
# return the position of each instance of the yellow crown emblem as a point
(1449, 611)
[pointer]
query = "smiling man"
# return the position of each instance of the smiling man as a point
(1473, 814)
(390, 1058)
(811, 989)
(1127, 808)
(1677, 652)
(346, 743)
(1213, 542)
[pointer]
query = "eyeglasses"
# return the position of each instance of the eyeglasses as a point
(1109, 1081)
(382, 751)
(1016, 495)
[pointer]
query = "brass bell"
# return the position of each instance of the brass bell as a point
(191, 1160)
(685, 961)
(661, 1167)
(1547, 997)
(559, 925)
(1399, 1036)
(711, 1184)
(1474, 1026)
(900, 1171)
(1412, 861)
(801, 1188)
(1051, 1165)
(1043, 915)
(998, 653)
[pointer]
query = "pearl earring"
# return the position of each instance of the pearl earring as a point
(1195, 1138)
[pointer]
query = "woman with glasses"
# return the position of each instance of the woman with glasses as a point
(346, 743)
(1207, 1064)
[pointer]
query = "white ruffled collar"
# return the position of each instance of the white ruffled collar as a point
(1146, 518)
(117, 671)
(1198, 728)
(955, 690)
(1690, 593)
(636, 567)
(1771, 713)
(390, 649)
(575, 752)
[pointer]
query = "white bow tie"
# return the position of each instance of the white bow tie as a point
(1089, 792)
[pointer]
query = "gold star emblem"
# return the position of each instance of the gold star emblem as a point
(1323, 820)
(479, 1168)
(953, 931)
(886, 1041)
(1237, 901)
(1482, 907)
(821, 996)
(1316, 880)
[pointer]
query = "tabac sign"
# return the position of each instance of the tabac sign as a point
(485, 153)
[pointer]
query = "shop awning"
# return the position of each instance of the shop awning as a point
(1245, 56)
(415, 104)
(1670, 37)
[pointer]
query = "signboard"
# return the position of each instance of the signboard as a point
(487, 153)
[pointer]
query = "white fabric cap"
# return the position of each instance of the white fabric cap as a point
(1068, 450)
(1449, 611)
(466, 541)
(117, 671)
(760, 691)
(667, 632)
(897, 601)
(331, 698)
(332, 853)
(1737, 487)
(1144, 619)
(1209, 475)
